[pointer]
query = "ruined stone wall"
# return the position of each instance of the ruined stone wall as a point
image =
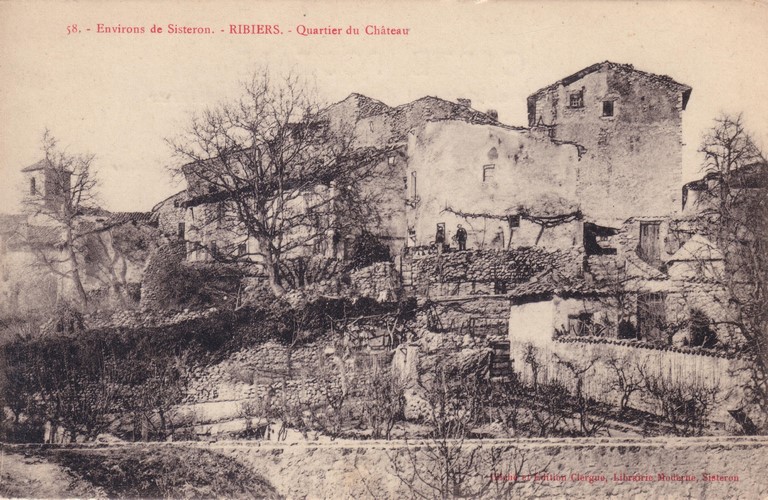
(157, 287)
(262, 372)
(484, 314)
(378, 281)
(170, 213)
(147, 318)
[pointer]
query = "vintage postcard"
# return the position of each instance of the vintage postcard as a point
(368, 249)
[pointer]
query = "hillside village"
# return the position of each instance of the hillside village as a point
(565, 257)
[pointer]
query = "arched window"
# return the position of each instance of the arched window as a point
(493, 154)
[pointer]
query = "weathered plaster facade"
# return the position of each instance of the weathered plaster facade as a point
(455, 166)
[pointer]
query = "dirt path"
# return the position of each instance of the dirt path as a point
(32, 477)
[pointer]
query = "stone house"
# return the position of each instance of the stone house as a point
(34, 261)
(598, 171)
(630, 124)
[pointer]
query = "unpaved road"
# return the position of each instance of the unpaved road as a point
(573, 468)
(34, 477)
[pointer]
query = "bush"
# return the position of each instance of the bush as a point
(701, 333)
(368, 249)
(627, 330)
(685, 405)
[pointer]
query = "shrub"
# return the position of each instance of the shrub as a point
(701, 333)
(368, 249)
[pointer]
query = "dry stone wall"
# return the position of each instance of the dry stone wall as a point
(262, 373)
(514, 266)
(157, 288)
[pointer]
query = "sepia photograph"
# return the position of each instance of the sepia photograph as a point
(383, 250)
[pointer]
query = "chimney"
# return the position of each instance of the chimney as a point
(493, 114)
(464, 102)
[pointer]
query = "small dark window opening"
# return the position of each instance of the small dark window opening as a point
(607, 108)
(32, 186)
(214, 249)
(576, 99)
(594, 234)
(182, 230)
(212, 189)
(514, 220)
(242, 249)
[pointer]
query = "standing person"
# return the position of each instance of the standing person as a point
(440, 236)
(461, 237)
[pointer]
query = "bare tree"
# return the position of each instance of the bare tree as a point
(69, 188)
(685, 405)
(734, 198)
(590, 423)
(447, 464)
(383, 398)
(628, 378)
(279, 172)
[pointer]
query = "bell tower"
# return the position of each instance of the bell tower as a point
(46, 185)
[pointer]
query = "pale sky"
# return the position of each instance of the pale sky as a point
(119, 95)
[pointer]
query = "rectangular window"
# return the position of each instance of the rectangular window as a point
(242, 249)
(488, 172)
(576, 99)
(182, 230)
(607, 108)
(32, 186)
(514, 220)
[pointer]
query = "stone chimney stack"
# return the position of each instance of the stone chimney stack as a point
(493, 114)
(464, 102)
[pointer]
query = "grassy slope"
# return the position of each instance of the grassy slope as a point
(156, 472)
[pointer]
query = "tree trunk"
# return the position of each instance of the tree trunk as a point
(76, 270)
(271, 266)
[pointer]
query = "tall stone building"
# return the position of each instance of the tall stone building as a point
(630, 123)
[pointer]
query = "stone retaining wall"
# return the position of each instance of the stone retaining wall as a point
(515, 266)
